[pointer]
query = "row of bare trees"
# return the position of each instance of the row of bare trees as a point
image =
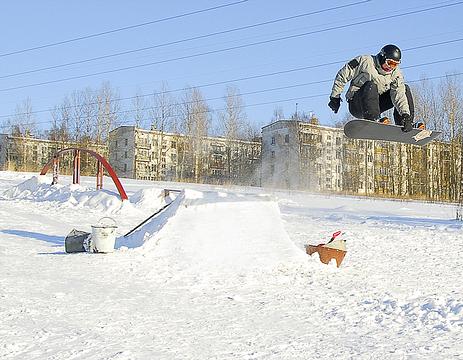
(89, 115)
(85, 118)
(441, 107)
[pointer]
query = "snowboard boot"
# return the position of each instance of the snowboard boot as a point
(384, 120)
(419, 125)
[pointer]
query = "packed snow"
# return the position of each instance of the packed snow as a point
(222, 273)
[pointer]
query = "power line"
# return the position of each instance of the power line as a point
(123, 28)
(277, 101)
(252, 77)
(285, 100)
(433, 62)
(53, 67)
(232, 48)
(433, 44)
(207, 84)
(209, 110)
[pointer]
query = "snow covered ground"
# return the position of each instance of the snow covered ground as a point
(222, 274)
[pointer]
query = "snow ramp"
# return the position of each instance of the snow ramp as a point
(217, 231)
(153, 225)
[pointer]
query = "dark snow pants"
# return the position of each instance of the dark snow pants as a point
(368, 104)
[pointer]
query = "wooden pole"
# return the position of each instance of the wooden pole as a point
(55, 170)
(76, 168)
(99, 176)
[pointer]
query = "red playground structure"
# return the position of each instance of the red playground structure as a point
(101, 165)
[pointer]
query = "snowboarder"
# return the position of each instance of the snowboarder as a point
(376, 85)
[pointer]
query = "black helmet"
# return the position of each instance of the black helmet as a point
(391, 52)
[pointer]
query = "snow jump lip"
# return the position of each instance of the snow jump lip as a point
(166, 193)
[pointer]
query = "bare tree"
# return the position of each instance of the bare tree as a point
(427, 108)
(60, 124)
(344, 120)
(452, 109)
(233, 119)
(23, 122)
(90, 113)
(139, 109)
(195, 125)
(162, 110)
(108, 112)
(22, 125)
(76, 114)
(278, 114)
(162, 117)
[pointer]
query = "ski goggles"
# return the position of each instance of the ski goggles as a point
(392, 64)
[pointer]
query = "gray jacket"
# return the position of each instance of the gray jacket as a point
(364, 68)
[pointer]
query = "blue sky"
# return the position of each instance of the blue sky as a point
(331, 37)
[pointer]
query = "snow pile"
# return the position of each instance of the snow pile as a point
(28, 189)
(38, 189)
(148, 198)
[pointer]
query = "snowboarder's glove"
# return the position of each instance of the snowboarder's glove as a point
(408, 126)
(335, 104)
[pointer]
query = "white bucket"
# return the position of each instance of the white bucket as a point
(103, 236)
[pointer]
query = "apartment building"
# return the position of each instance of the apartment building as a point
(301, 155)
(155, 155)
(18, 153)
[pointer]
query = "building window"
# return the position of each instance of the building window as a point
(125, 155)
(273, 140)
(125, 167)
(126, 142)
(287, 138)
(272, 154)
(116, 143)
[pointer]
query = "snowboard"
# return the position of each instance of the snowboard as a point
(372, 130)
